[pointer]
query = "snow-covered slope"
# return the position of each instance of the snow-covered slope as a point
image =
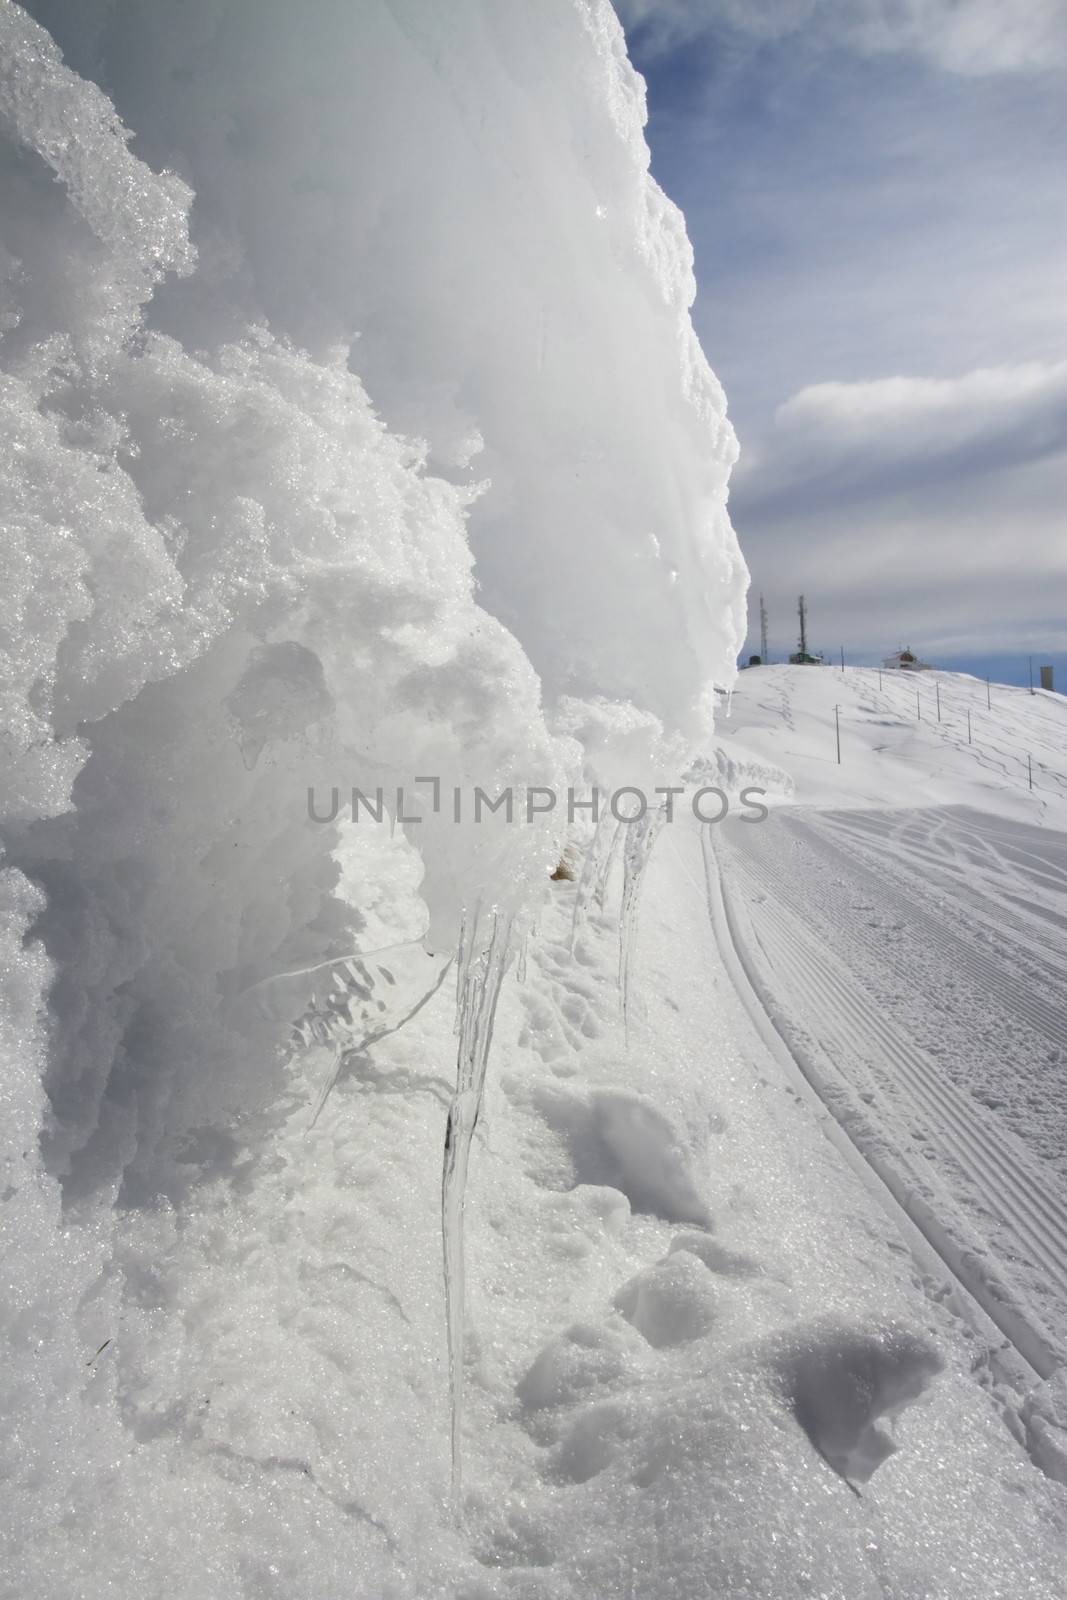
(907, 740)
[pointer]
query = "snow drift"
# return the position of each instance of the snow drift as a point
(231, 578)
(356, 430)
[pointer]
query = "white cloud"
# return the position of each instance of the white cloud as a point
(854, 214)
(951, 571)
(921, 507)
(971, 37)
(842, 441)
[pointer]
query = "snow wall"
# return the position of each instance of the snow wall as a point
(355, 429)
(359, 431)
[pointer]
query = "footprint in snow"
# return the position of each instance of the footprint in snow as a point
(586, 1361)
(840, 1382)
(670, 1303)
(623, 1141)
(716, 1257)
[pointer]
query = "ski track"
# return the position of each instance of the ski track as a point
(572, 1002)
(807, 883)
(888, 840)
(839, 872)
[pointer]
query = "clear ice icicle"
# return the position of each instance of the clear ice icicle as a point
(636, 840)
(462, 954)
(481, 972)
(640, 837)
(600, 888)
(596, 870)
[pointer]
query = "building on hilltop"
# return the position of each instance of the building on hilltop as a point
(906, 661)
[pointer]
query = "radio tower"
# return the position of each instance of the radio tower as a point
(762, 631)
(803, 615)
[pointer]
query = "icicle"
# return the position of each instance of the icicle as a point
(641, 836)
(594, 873)
(604, 874)
(482, 973)
(462, 953)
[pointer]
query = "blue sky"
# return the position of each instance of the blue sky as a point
(876, 191)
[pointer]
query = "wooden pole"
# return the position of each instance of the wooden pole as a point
(837, 730)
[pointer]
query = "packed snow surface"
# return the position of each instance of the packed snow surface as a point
(904, 924)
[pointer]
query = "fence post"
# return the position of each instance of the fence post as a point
(918, 707)
(968, 727)
(1029, 772)
(937, 691)
(837, 731)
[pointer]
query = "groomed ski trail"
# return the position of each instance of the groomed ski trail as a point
(895, 1108)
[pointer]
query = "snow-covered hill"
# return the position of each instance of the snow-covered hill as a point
(907, 740)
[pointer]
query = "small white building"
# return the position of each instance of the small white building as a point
(906, 661)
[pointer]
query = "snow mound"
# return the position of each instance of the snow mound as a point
(240, 590)
(262, 305)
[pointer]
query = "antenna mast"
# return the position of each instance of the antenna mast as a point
(803, 615)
